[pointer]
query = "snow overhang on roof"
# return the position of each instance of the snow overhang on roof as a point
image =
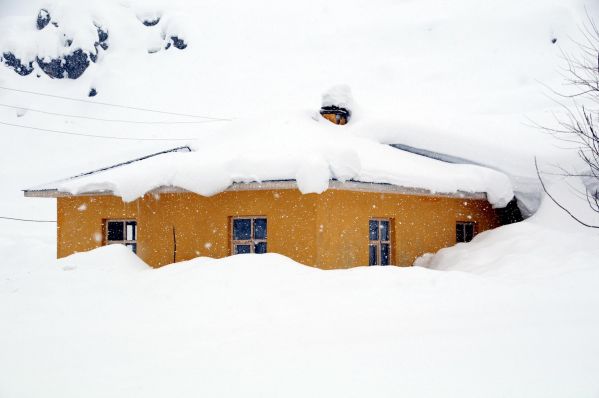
(310, 166)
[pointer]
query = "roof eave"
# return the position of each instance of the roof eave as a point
(281, 184)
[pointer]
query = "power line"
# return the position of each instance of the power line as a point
(108, 120)
(107, 137)
(24, 219)
(116, 105)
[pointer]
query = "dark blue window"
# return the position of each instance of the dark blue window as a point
(260, 228)
(249, 235)
(379, 247)
(123, 232)
(242, 249)
(260, 248)
(372, 249)
(115, 230)
(384, 230)
(373, 227)
(242, 229)
(464, 231)
(384, 254)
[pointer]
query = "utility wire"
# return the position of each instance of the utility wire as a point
(108, 120)
(24, 219)
(116, 105)
(107, 137)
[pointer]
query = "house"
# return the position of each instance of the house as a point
(320, 196)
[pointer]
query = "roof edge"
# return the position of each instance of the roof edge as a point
(351, 185)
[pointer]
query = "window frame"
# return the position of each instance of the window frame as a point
(126, 242)
(252, 242)
(379, 242)
(464, 223)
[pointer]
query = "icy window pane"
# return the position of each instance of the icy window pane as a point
(384, 254)
(384, 230)
(242, 229)
(260, 228)
(374, 229)
(115, 230)
(131, 229)
(242, 249)
(260, 247)
(371, 255)
(132, 246)
(459, 232)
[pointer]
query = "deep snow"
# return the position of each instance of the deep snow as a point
(513, 313)
(308, 152)
(102, 324)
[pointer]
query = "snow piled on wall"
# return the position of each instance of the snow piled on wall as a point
(549, 244)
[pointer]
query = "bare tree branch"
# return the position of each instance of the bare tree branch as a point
(579, 124)
(559, 204)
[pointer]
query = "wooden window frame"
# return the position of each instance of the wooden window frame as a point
(252, 242)
(378, 242)
(124, 241)
(474, 230)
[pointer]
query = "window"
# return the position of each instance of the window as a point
(248, 235)
(123, 232)
(379, 247)
(464, 231)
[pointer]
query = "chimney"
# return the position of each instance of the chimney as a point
(336, 104)
(335, 114)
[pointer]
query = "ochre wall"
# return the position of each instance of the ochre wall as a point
(329, 230)
(420, 224)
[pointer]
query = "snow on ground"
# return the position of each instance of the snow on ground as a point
(514, 313)
(103, 324)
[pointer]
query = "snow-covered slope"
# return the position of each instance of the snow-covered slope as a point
(515, 317)
(462, 78)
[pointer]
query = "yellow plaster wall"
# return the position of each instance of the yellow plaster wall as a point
(328, 230)
(419, 224)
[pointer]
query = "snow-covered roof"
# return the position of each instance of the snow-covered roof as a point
(311, 151)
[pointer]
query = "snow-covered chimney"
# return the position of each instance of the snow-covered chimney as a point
(336, 104)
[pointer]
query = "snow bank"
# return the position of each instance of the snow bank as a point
(547, 245)
(104, 259)
(101, 324)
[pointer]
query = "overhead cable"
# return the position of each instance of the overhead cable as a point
(24, 219)
(107, 137)
(108, 120)
(135, 108)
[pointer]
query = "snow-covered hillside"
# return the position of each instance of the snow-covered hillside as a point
(512, 313)
(461, 78)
